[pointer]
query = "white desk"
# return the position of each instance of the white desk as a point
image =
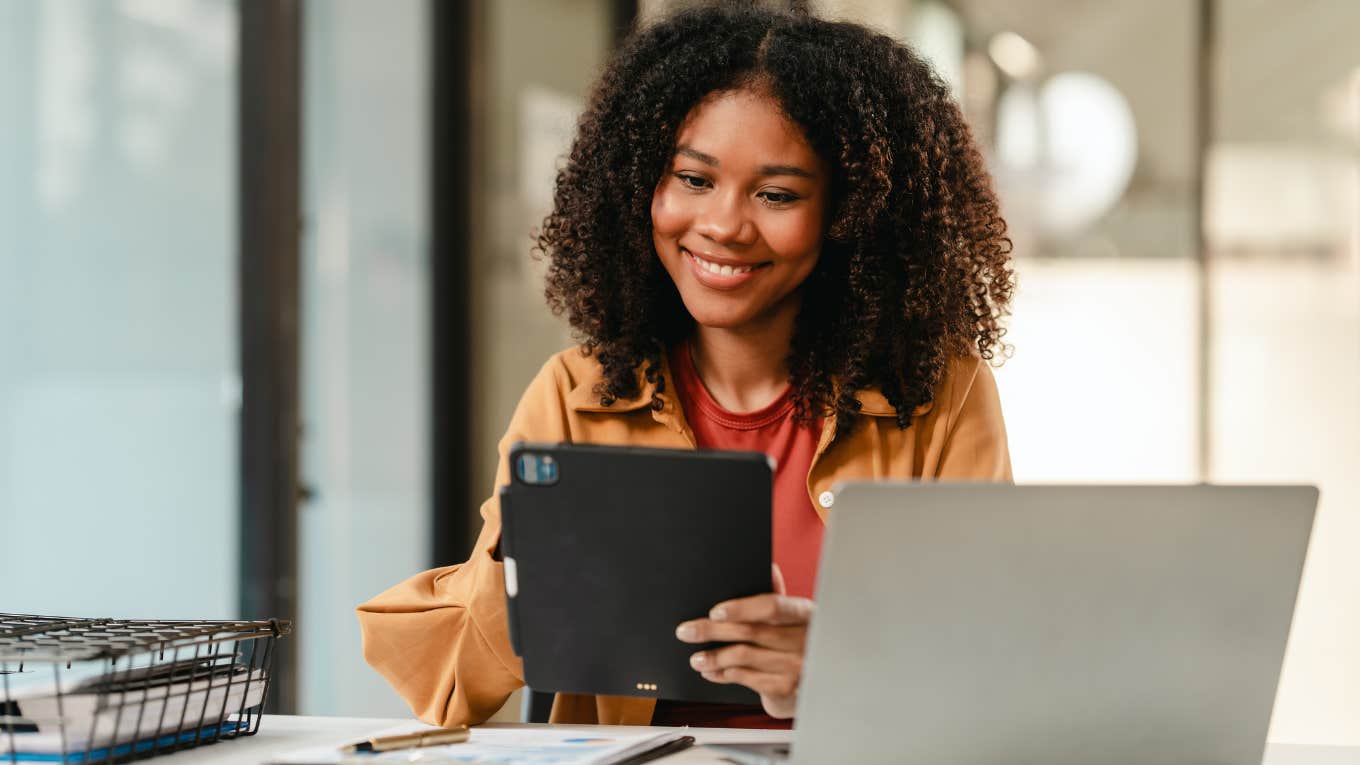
(282, 733)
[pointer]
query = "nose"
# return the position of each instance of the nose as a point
(724, 220)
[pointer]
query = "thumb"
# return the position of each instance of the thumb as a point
(777, 577)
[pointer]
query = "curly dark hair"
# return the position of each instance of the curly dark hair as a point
(915, 266)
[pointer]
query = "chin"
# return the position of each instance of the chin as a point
(706, 314)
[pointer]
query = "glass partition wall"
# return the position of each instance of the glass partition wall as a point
(364, 516)
(119, 377)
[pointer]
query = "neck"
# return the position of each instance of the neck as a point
(745, 368)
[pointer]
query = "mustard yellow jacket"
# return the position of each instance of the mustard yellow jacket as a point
(440, 637)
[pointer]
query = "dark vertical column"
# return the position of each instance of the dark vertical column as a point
(1205, 90)
(450, 269)
(622, 15)
(269, 206)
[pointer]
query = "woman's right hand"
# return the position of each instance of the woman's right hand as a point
(768, 634)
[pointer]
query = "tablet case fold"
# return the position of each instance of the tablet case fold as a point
(610, 548)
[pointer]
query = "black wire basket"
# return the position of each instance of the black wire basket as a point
(112, 690)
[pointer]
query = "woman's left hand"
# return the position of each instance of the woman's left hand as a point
(769, 633)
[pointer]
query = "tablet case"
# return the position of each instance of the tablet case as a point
(608, 549)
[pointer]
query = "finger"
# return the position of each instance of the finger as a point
(764, 683)
(750, 657)
(778, 577)
(777, 637)
(768, 608)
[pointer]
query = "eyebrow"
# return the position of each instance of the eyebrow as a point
(764, 170)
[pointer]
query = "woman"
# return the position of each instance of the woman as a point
(773, 233)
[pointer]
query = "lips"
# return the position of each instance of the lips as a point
(721, 273)
(725, 269)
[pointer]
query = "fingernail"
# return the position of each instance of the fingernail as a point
(685, 631)
(718, 614)
(698, 661)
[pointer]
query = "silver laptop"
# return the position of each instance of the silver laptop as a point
(981, 624)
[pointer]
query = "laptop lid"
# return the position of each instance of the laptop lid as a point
(970, 624)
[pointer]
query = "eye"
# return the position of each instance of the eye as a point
(691, 181)
(778, 198)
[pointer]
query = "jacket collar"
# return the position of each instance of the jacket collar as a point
(582, 398)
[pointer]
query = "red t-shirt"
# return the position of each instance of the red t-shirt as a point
(797, 529)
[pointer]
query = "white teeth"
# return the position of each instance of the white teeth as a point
(714, 268)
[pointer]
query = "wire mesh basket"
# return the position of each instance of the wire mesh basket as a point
(111, 690)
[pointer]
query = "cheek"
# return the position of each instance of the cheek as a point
(669, 218)
(795, 236)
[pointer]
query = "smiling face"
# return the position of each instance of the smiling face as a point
(739, 215)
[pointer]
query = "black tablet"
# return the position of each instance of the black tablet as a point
(607, 549)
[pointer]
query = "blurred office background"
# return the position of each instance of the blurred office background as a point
(208, 410)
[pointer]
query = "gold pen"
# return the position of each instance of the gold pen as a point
(410, 740)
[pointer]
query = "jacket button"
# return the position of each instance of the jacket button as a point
(826, 500)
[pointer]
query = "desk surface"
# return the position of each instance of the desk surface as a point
(282, 733)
